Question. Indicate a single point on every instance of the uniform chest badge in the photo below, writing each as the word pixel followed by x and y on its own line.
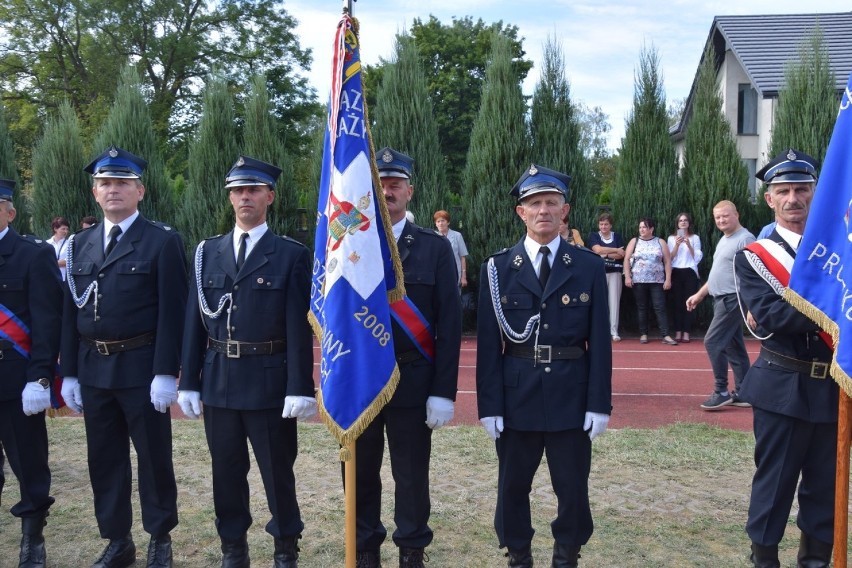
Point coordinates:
pixel 584 297
pixel 409 239
pixel 566 299
pixel 518 260
pixel 566 259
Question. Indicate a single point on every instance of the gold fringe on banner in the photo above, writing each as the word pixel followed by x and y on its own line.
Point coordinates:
pixel 829 326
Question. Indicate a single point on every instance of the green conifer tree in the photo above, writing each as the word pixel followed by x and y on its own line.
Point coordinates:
pixel 261 141
pixel 713 169
pixel 647 178
pixel 9 170
pixel 204 206
pixel 556 135
pixel 129 126
pixel 405 120
pixel 60 186
pixel 807 104
pixel 498 154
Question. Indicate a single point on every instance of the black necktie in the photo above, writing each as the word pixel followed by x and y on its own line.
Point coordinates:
pixel 544 270
pixel 113 239
pixel 241 252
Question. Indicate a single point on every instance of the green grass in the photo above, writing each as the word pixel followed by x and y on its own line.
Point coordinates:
pixel 676 496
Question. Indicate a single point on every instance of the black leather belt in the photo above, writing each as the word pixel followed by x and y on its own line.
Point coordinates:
pixel 544 353
pixel 236 349
pixel 108 347
pixel 408 357
pixel 814 369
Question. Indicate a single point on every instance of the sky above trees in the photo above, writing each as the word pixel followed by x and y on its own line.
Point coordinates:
pixel 602 42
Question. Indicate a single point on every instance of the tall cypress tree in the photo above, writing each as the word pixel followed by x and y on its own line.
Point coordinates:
pixel 9 170
pixel 647 176
pixel 498 154
pixel 807 104
pixel 261 141
pixel 60 186
pixel 405 121
pixel 204 207
pixel 713 169
pixel 129 126
pixel 556 135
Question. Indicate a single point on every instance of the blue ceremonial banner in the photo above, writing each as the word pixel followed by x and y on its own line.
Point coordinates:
pixel 356 272
pixel 820 284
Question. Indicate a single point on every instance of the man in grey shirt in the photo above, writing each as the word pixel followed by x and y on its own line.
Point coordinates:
pixel 724 339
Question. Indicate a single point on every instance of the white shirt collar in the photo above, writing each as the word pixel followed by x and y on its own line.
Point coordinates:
pixel 789 236
pixel 125 225
pixel 254 235
pixel 397 228
pixel 4 232
pixel 533 250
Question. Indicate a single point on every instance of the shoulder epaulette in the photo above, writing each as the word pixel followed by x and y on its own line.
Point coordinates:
pixel 163 226
pixel 292 240
pixel 499 252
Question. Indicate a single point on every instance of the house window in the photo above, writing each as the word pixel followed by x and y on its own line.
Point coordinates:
pixel 751 166
pixel 746 110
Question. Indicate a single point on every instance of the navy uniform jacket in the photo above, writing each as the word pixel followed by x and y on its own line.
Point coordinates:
pixel 141 289
pixel 31 288
pixel 547 397
pixel 270 297
pixel 431 282
pixel 768 386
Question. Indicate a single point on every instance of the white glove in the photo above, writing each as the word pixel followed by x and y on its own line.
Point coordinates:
pixel 595 424
pixel 163 391
pixel 71 394
pixel 190 403
pixel 35 398
pixel 439 411
pixel 301 407
pixel 493 425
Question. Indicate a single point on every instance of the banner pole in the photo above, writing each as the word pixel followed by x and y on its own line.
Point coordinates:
pixel 841 481
pixel 349 506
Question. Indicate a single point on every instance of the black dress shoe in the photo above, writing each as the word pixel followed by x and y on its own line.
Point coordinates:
pixel 119 553
pixel 411 557
pixel 33 554
pixel 160 552
pixel 286 552
pixel 565 556
pixel 368 559
pixel 520 558
pixel 235 553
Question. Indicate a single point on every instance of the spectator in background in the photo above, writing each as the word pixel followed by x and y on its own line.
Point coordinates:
pixel 724 338
pixel 572 236
pixel 442 223
pixel 59 241
pixel 685 247
pixel 610 246
pixel 648 270
pixel 88 221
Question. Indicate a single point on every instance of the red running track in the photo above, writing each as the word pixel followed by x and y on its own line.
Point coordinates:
pixel 652 385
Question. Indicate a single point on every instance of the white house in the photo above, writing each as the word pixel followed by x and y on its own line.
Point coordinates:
pixel 751 55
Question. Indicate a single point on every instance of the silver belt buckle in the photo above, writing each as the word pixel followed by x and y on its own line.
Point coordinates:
pixel 102 347
pixel 539 357
pixel 232 349
pixel 819 370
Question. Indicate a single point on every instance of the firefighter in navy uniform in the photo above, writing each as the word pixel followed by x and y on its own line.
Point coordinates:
pixel 248 354
pixel 120 355
pixel 425 397
pixel 30 312
pixel 794 398
pixel 543 368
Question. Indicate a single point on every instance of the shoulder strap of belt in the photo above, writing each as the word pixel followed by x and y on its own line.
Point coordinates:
pixel 415 326
pixel 778 262
pixel 13 330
